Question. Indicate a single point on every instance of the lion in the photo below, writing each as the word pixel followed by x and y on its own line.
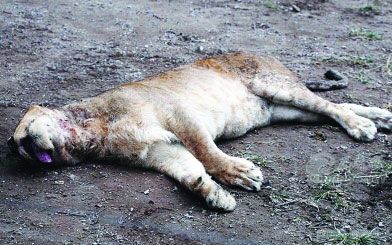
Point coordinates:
pixel 169 122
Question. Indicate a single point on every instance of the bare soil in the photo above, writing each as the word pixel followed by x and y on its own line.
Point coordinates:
pixel 321 182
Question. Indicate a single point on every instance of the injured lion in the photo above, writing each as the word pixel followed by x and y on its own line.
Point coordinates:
pixel 169 122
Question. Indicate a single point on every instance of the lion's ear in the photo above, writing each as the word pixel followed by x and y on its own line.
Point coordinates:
pixel 34 108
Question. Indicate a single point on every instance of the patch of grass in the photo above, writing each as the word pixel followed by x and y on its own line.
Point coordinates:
pixel 362 77
pixel 283 159
pixel 383 170
pixel 298 219
pixel 372 7
pixel 279 197
pixel 387 168
pixel 271 4
pixel 364 33
pixel 360 61
pixel 330 192
pixel 369 9
pixel 366 238
pixel 258 160
pixel 363 61
pixel 254 157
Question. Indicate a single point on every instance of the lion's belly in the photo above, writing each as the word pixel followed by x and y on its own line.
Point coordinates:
pixel 227 108
pixel 246 116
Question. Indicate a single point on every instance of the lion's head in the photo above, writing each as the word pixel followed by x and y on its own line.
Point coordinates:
pixel 45 135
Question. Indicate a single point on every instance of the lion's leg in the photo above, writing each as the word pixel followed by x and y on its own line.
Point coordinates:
pixel 177 162
pixel 291 94
pixel 282 113
pixel 381 117
pixel 227 169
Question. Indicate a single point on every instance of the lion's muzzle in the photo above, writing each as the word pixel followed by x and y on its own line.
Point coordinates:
pixel 29 149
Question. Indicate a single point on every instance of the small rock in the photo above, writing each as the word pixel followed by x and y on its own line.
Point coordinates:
pixel 200 49
pixel 119 238
pixel 189 216
pixel 78 57
pixel 259 25
pixel 318 135
pixel 334 75
pixel 73 177
pixel 381 224
pixel 49 195
pixel 51 67
pixel 295 8
pixel 146 192
pixel 59 182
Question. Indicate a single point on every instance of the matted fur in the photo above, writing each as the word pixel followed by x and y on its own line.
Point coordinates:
pixel 169 122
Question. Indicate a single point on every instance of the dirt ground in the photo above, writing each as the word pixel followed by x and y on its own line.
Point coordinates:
pixel 323 187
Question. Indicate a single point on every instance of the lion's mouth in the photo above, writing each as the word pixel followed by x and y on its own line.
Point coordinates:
pixel 42 155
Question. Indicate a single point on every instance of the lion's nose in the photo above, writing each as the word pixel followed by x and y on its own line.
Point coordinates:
pixel 12 145
pixel 39 130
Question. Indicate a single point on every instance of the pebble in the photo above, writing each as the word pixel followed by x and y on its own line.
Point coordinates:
pixel 51 67
pixel 73 177
pixel 189 216
pixel 200 49
pixel 295 8
pixel 333 75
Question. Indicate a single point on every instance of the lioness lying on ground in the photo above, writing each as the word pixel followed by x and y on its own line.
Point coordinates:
pixel 169 122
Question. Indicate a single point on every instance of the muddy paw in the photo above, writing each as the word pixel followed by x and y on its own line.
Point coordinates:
pixel 221 199
pixel 362 129
pixel 242 173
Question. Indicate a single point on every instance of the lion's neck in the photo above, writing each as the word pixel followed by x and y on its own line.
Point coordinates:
pixel 88 131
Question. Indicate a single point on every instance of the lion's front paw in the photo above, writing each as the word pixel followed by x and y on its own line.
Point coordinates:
pixel 241 173
pixel 221 199
pixel 362 129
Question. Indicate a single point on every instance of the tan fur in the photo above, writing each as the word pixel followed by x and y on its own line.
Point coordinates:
pixel 169 121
